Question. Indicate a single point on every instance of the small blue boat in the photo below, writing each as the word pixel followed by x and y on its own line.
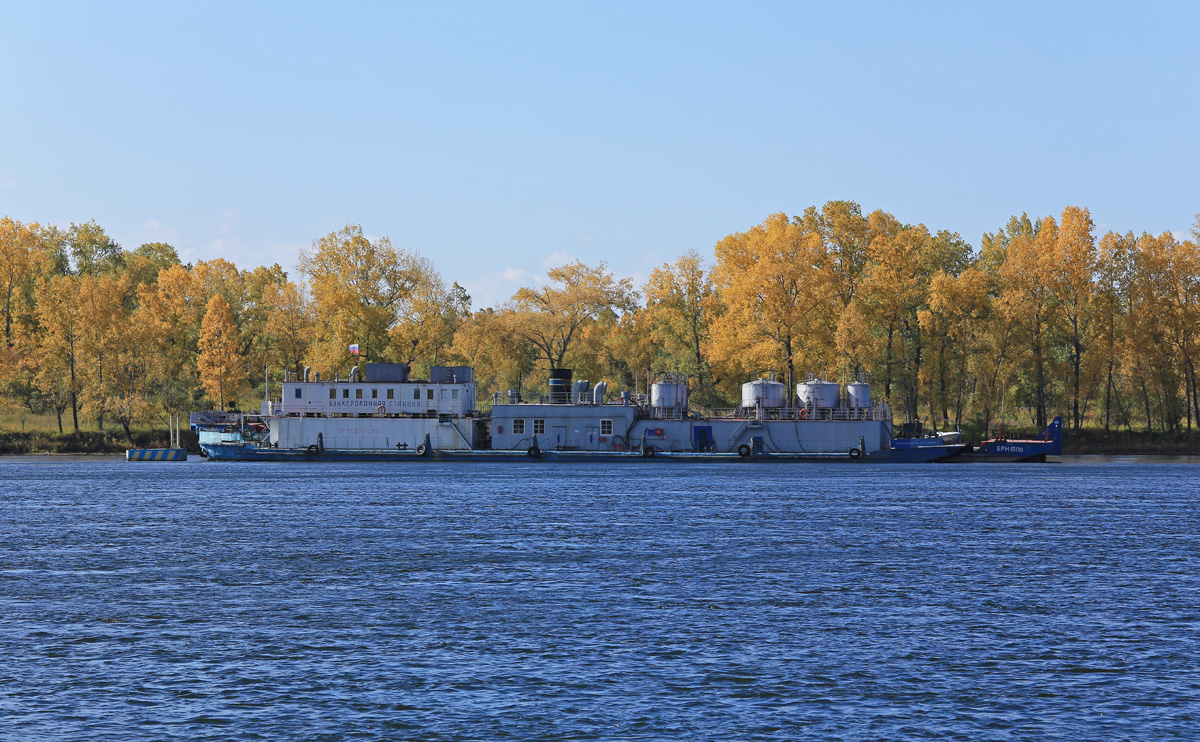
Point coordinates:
pixel 926 449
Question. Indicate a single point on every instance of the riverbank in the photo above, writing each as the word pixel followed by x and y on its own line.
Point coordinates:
pixel 1124 443
pixel 86 442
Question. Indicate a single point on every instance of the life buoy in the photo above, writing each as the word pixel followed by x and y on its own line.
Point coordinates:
pixel 381 409
pixel 312 450
pixel 854 453
pixel 422 450
pixel 803 413
pixel 648 452
pixel 743 450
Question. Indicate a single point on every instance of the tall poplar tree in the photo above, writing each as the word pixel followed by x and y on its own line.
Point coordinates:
pixel 222 371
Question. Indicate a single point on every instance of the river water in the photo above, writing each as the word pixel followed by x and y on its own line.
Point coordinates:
pixel 648 601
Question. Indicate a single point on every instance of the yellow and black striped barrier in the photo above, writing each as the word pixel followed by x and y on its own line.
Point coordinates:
pixel 156 454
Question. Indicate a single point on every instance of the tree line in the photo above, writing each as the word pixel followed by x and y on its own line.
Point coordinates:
pixel 1042 319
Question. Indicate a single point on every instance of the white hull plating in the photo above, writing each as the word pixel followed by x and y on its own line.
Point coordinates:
pixel 369 433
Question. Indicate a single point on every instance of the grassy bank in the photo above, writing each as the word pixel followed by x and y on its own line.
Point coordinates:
pixel 1124 443
pixel 109 441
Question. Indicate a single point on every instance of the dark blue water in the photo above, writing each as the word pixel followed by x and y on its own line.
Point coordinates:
pixel 588 602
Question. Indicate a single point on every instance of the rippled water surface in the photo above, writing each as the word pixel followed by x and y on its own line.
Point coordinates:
pixel 589 602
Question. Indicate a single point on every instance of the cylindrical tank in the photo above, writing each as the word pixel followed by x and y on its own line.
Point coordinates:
pixel 816 393
pixel 663 394
pixel 768 393
pixel 560 385
pixel 858 394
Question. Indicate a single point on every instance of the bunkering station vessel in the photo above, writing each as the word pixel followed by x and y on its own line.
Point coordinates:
pixel 384 415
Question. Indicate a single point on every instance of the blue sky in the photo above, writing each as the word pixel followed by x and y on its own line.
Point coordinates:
pixel 500 139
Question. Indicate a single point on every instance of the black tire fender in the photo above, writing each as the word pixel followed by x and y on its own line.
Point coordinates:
pixel 744 450
pixel 855 453
pixel 422 449
pixel 313 450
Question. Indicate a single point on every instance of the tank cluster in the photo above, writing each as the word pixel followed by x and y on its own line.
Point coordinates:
pixel 812 394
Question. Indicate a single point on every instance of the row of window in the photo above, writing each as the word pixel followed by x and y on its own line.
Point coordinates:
pixel 539 426
pixel 358 393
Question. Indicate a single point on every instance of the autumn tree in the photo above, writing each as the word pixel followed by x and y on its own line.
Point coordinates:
pixel 104 306
pixel 889 297
pixel 291 324
pixel 774 284
pixel 357 287
pixel 551 317
pixel 19 258
pixel 148 260
pixel 62 321
pixel 958 307
pixel 1110 309
pixel 221 367
pixel 1071 270
pixel 92 251
pixel 489 341
pixel 1027 301
pixel 428 318
pixel 845 237
pixel 680 303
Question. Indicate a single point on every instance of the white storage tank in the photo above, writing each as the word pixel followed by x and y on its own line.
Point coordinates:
pixel 858 394
pixel 768 393
pixel 663 394
pixel 816 393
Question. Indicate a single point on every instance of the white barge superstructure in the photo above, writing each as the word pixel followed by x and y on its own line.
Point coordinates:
pixel 385 415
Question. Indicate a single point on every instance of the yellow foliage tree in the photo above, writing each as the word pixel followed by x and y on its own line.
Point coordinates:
pixel 357 287
pixel 774 283
pixel 1072 270
pixel 291 324
pixel 61 320
pixel 550 318
pixel 221 367
pixel 1028 302
pixel 428 318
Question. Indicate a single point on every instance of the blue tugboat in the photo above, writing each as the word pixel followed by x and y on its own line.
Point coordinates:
pixel 1003 449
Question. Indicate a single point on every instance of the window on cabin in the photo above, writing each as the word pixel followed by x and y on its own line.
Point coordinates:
pixel 374 394
pixel 539 427
pixel 298 390
pixel 519 426
pixel 416 393
pixel 606 427
pixel 389 391
pixel 346 393
pixel 453 394
pixel 333 393
pixel 430 393
pixel 358 393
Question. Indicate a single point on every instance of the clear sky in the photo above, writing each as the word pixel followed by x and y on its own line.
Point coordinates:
pixel 502 138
